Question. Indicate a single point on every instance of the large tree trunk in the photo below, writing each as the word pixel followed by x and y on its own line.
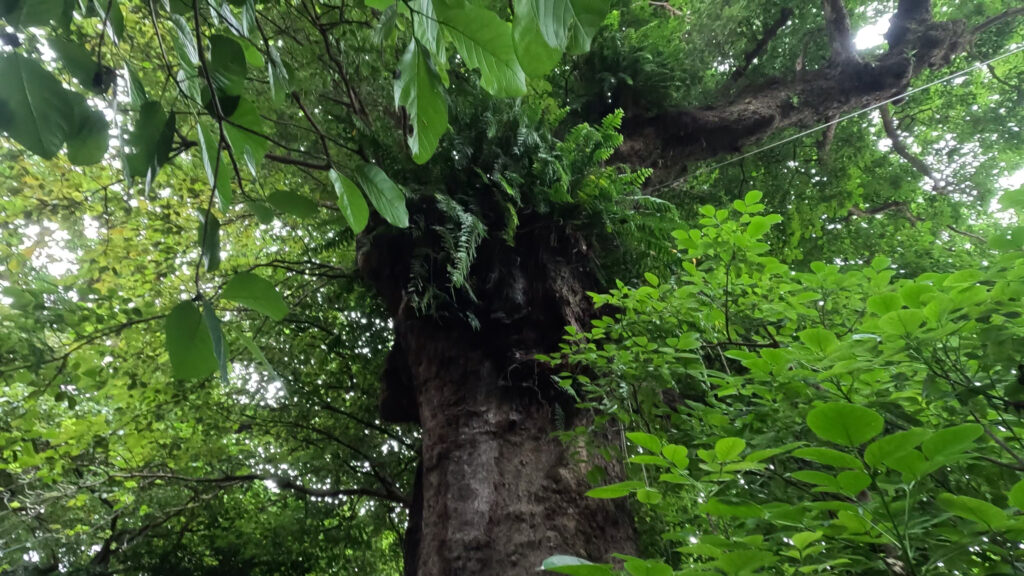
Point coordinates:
pixel 496 492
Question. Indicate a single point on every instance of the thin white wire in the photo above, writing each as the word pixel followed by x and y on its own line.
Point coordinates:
pixel 840 119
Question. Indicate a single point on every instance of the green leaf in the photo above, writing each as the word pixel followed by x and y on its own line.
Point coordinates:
pixel 638 567
pixel 677 455
pixel 257 293
pixel 350 201
pixel 35 110
pixel 819 339
pixel 227 64
pixel 893 446
pixel 244 133
pixel 615 490
pixel 952 441
pixel 885 303
pixel 485 42
pixel 828 457
pixel 815 477
pixel 903 322
pixel 220 344
pixel 387 198
pixel 209 241
pixel 845 424
pixel 802 539
pixel 759 225
pixel 728 449
pixel 744 561
pixel 535 55
pixel 575 566
pixel 151 139
pixel 279 83
pixel 218 170
pixel 184 43
pixel 35 13
pixel 418 88
pixel 80 63
pixel 90 136
pixel 645 440
pixel 648 496
pixel 972 509
pixel 853 481
pixel 569 25
pixel 293 203
pixel 188 342
pixel 731 508
pixel 1016 495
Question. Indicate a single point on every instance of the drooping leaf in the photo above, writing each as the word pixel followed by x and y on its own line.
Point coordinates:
pixel 894 445
pixel 29 13
pixel 727 449
pixel 90 136
pixel 293 203
pixel 220 344
pixel 350 201
pixel 227 65
pixel 216 166
pixel 535 55
pixel 1017 495
pixel 485 42
pixel 387 198
pixel 81 64
pixel 951 441
pixel 828 457
pixel 845 424
pixel 418 88
pixel 35 110
pixel 208 233
pixel 257 293
pixel 244 131
pixel 188 342
pixel 645 440
pixel 973 509
pixel 570 25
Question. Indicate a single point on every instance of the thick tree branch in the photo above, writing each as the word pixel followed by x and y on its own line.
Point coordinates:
pixel 670 140
pixel 901 150
pixel 997 19
pixel 837 23
pixel 903 208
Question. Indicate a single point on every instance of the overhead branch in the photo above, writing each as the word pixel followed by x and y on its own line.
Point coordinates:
pixel 837 24
pixel 901 150
pixel 770 32
pixel 997 19
pixel 904 209
pixel 666 7
pixel 670 140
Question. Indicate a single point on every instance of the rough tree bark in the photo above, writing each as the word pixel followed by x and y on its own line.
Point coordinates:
pixel 495 493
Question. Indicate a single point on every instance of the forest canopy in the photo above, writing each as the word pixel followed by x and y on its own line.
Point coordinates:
pixel 448 287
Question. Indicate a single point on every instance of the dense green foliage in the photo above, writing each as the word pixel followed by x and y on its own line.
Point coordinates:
pixel 823 377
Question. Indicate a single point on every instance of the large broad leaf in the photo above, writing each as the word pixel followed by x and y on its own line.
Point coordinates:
pixel 293 203
pixel 27 13
pixel 418 88
pixel 387 198
pixel 350 201
pixel 845 424
pixel 35 110
pixel 570 24
pixel 151 139
pixel 257 293
pixel 828 457
pixel 485 42
pixel 645 440
pixel 227 64
pixel 535 55
pixel 952 441
pixel 184 43
pixel 189 345
pixel 891 447
pixel 973 509
pixel 114 19
pixel 89 137
pixel 80 63
pixel 244 130
pixel 728 449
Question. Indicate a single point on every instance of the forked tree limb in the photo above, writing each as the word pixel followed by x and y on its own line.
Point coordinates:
pixel 837 24
pixel 901 150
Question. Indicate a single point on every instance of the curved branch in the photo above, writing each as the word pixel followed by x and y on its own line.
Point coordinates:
pixel 997 19
pixel 837 23
pixel 902 151
pixel 770 32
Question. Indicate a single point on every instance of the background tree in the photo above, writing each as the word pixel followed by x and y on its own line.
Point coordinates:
pixel 204 298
